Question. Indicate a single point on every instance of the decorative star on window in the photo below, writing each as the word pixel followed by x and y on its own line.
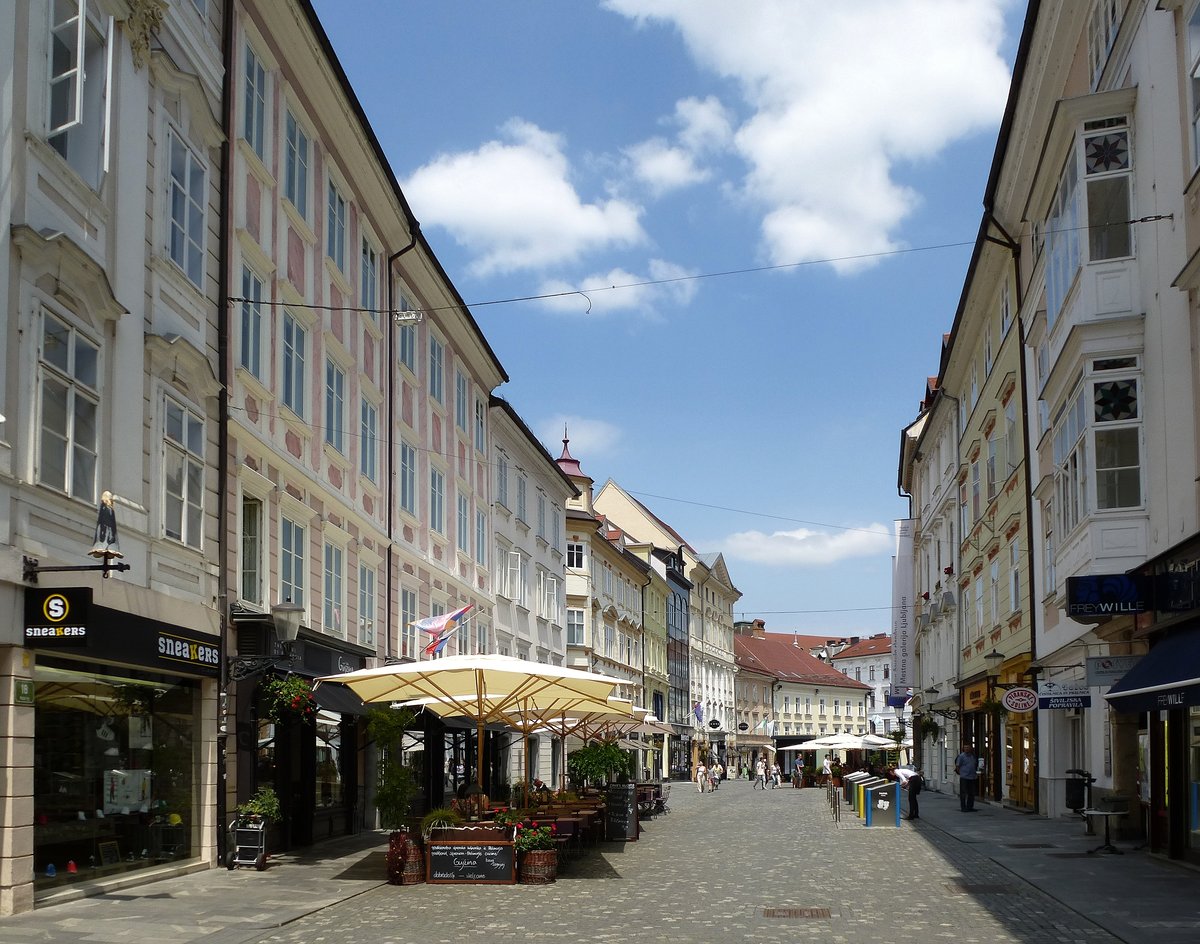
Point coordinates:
pixel 1116 400
pixel 1107 152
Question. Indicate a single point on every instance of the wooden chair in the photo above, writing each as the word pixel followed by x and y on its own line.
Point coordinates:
pixel 660 802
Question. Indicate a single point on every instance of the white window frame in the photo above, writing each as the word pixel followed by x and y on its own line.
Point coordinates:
pixel 297 160
pixel 463 523
pixel 77 373
pixel 368 440
pixel 254 102
pixel 1014 576
pixel 183 509
pixel 251 334
pixel 406 339
pixel 335 405
pixel 437 500
pixel 187 205
pixel 368 292
pixel 480 425
pixel 337 218
pixel 333 599
pixel 79 79
pixel 501 479
pixel 368 605
pixel 293 555
pixel 252 559
pixel 294 347
pixel 462 400
pixel 575 555
pixel 408 614
pixel 437 369
pixel 481 535
pixel 408 478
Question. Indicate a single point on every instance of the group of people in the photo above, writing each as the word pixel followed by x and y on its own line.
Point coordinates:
pixel 709 778
pixel 764 772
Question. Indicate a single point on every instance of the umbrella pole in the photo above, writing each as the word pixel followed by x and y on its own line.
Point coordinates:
pixel 479 729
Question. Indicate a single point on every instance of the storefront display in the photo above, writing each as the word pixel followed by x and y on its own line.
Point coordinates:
pixel 115 762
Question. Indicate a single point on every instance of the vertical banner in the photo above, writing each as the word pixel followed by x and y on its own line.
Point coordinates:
pixel 903 671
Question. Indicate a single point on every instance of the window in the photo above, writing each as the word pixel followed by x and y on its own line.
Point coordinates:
pixel 186 198
pixel 250 356
pixel 541 514
pixel 1102 33
pixel 76 125
pixel 549 597
pixel 251 588
pixel 837 708
pixel 993 445
pixel 481 541
pixel 254 119
pixel 994 589
pixel 291 562
pixel 987 352
pixel 461 400
pixel 366 605
pixel 1049 574
pixel 575 555
pixel 1107 167
pixel 1193 54
pixel 368 441
pixel 976 496
pixel 334 561
pixel 979 603
pixel 464 524
pixel 1070 461
pixel 408 616
pixel 70 404
pixel 295 340
pixel 1118 462
pixel 521 488
pixel 482 645
pixel 574 627
pixel 1005 309
pixel 502 479
pixel 870 673
pixel 516 578
pixel 1062 242
pixel 555 526
pixel 408 478
pixel 480 425
pixel 295 171
pixel 437 360
pixel 335 228
pixel 183 474
pixel 437 501
pixel 335 403
pixel 407 339
pixel 369 290
pixel 1014 577
pixel 1012 441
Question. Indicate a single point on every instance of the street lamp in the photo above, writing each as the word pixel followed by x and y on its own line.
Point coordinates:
pixel 948 713
pixel 993 660
pixel 286 618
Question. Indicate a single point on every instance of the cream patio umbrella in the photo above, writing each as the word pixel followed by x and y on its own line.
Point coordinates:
pixel 479 687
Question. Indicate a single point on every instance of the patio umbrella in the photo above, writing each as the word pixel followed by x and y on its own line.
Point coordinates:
pixel 479 687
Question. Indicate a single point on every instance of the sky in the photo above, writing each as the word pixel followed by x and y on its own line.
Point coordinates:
pixel 718 243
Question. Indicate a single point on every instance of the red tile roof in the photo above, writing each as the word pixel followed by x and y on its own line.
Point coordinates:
pixel 874 646
pixel 774 654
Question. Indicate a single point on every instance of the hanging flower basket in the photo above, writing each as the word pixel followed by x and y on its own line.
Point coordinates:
pixel 289 697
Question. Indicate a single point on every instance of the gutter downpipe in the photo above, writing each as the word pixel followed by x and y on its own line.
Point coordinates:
pixel 414 230
pixel 1009 243
pixel 958 614
pixel 227 79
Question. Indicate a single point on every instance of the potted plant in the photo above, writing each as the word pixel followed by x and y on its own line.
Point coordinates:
pixel 262 807
pixel 289 697
pixel 835 771
pixel 930 729
pixel 440 817
pixel 537 855
pixel 394 794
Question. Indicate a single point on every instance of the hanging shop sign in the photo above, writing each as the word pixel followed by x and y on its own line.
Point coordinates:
pixel 1072 693
pixel 1020 700
pixel 1103 671
pixel 57 617
pixel 1098 596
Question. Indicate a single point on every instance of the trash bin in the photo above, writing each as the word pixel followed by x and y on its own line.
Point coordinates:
pixel 1078 787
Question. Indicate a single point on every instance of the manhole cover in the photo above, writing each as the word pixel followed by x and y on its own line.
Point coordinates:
pixel 977 888
pixel 796 913
pixel 1029 845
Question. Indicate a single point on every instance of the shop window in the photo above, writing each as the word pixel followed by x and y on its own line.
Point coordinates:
pixel 114 773
pixel 329 793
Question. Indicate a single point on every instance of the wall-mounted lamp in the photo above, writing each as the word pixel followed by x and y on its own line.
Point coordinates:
pixel 287 618
pixel 993 660
pixel 951 714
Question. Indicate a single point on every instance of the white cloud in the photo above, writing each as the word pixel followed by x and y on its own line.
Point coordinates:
pixel 838 95
pixel 620 290
pixel 807 548
pixel 591 438
pixel 513 205
pixel 662 167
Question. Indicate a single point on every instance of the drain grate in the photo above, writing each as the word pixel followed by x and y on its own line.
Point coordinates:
pixel 796 913
pixel 1029 845
pixel 977 888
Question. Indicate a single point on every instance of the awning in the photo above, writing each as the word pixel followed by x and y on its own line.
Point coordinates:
pixel 339 699
pixel 1167 677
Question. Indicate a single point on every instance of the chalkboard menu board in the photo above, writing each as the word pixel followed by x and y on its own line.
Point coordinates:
pixel 456 863
pixel 620 812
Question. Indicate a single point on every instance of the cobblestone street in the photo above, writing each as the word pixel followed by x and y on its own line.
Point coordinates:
pixel 736 865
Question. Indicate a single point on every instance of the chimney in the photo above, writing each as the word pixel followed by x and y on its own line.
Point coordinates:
pixel 758 629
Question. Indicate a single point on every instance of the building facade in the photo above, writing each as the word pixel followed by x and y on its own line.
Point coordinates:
pixel 109 269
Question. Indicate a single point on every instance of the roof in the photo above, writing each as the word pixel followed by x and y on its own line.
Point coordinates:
pixel 675 535
pixel 501 404
pixel 880 645
pixel 774 654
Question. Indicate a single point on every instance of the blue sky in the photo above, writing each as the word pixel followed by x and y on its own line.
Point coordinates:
pixel 838 150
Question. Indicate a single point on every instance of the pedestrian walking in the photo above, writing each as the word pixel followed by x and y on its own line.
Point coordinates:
pixel 718 769
pixel 701 776
pixel 760 774
pixel 826 771
pixel 967 767
pixel 774 776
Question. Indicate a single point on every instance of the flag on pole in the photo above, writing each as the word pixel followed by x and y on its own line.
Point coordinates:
pixel 698 712
pixel 441 628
